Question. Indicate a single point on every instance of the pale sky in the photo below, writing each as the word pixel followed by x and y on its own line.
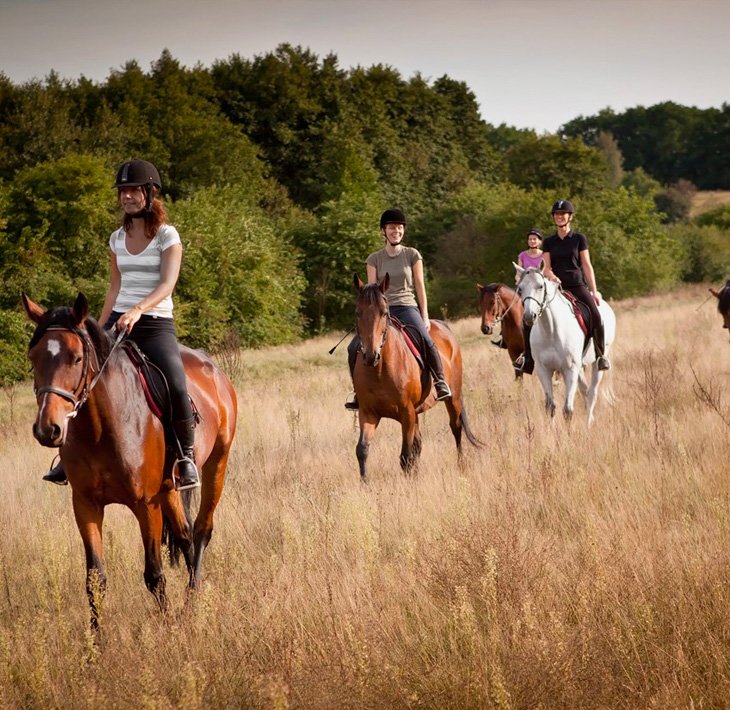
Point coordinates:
pixel 531 63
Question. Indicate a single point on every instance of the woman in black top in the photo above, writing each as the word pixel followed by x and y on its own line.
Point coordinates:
pixel 567 261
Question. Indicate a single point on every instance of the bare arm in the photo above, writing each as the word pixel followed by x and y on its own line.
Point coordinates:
pixel 169 272
pixel 372 274
pixel 548 270
pixel 585 263
pixel 111 295
pixel 420 286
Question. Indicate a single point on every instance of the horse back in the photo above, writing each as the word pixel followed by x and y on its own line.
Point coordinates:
pixel 214 396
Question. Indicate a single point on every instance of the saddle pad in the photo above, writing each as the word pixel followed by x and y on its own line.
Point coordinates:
pixel 581 311
pixel 403 328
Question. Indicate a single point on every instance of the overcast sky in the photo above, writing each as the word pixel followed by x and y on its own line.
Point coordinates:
pixel 531 63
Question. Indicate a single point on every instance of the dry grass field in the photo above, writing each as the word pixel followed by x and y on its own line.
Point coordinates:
pixel 559 567
pixel 706 200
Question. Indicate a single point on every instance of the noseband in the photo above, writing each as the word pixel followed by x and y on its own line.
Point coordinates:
pixel 82 391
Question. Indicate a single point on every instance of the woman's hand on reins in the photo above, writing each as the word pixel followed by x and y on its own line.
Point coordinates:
pixel 127 320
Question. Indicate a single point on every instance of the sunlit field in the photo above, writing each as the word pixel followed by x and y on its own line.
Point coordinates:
pixel 559 566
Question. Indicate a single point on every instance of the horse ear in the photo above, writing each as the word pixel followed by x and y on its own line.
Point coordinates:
pixel 80 309
pixel 480 288
pixel 358 283
pixel 383 285
pixel 34 311
pixel 542 265
pixel 518 268
pixel 714 292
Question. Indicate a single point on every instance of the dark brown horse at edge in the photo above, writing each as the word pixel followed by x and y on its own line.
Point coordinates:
pixel 91 406
pixel 388 380
pixel 723 302
pixel 500 305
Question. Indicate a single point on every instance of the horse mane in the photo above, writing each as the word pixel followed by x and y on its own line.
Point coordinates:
pixel 372 294
pixel 63 317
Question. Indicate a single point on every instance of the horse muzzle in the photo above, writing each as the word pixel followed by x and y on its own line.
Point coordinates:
pixel 528 318
pixel 49 434
pixel 487 329
pixel 371 359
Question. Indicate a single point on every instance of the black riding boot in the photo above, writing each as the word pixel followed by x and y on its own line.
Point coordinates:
pixel 525 364
pixel 187 473
pixel 443 390
pixel 57 475
pixel 352 349
pixel 599 344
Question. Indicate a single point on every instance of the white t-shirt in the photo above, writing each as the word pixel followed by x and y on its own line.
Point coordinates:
pixel 141 272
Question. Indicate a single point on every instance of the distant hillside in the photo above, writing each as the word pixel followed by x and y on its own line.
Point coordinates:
pixel 707 200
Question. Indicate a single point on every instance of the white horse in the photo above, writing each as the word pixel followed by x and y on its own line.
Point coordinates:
pixel 557 340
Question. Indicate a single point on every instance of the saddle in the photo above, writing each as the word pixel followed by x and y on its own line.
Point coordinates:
pixel 154 385
pixel 583 316
pixel 417 346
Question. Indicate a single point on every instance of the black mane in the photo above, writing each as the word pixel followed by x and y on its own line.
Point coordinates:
pixel 63 317
pixel 723 301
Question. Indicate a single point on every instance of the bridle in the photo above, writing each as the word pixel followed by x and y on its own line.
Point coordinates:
pixel 502 316
pixel 82 391
pixel 544 303
pixel 383 339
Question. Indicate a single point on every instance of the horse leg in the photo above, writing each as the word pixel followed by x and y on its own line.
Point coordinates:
pixel 214 474
pixel 149 517
pixel 89 520
pixel 546 380
pixel 368 425
pixel 570 378
pixel 411 447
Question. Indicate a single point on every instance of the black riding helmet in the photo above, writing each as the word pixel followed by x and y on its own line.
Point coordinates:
pixel 139 173
pixel 392 217
pixel 563 206
pixel 537 233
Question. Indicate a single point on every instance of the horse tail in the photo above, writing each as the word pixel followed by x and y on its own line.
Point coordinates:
pixel 174 547
pixel 471 437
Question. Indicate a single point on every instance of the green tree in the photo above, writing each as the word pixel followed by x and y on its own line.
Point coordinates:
pixel 238 276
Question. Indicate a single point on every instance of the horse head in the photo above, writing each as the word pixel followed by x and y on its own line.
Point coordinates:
pixel 60 352
pixel 371 312
pixel 723 303
pixel 491 306
pixel 532 289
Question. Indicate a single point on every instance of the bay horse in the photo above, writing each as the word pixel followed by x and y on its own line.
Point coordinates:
pixel 557 340
pixel 388 380
pixel 723 302
pixel 500 305
pixel 91 405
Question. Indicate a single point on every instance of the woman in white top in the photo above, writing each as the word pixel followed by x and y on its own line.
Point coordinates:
pixel 146 253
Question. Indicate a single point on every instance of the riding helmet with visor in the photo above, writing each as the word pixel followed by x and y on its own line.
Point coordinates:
pixel 392 217
pixel 563 206
pixel 139 173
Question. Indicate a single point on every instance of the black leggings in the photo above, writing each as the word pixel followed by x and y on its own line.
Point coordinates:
pixel 582 293
pixel 157 339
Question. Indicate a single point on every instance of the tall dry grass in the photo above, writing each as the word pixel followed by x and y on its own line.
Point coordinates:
pixel 559 567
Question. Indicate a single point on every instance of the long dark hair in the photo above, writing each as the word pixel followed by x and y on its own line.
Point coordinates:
pixel 154 218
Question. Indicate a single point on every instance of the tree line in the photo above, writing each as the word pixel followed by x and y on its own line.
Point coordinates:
pixel 276 168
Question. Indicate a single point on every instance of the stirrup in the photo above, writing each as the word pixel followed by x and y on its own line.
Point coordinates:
pixel 445 391
pixel 180 485
pixel 56 474
pixel 352 404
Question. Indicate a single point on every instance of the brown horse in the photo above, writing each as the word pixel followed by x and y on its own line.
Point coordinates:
pixel 500 304
pixel 723 302
pixel 388 380
pixel 92 406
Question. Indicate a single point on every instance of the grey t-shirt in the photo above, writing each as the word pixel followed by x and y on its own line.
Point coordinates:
pixel 400 269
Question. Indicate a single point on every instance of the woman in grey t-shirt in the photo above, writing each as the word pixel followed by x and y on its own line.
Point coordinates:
pixel 406 294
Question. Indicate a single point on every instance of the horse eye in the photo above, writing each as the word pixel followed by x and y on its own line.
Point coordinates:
pixel 78 360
